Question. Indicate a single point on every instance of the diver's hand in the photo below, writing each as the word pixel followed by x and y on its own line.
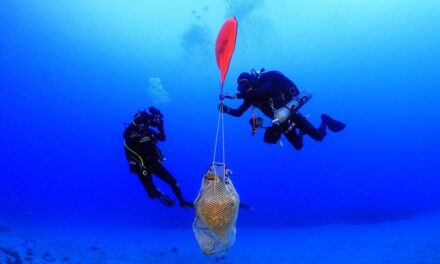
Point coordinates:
pixel 159 123
pixel 223 107
pixel 156 122
pixel 227 96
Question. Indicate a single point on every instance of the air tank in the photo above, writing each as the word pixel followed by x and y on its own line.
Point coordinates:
pixel 283 113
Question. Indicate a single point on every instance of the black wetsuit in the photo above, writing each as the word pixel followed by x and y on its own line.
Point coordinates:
pixel 145 159
pixel 272 91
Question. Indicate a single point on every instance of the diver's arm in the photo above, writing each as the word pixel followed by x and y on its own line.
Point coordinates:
pixel 233 96
pixel 239 96
pixel 227 96
pixel 159 136
pixel 239 111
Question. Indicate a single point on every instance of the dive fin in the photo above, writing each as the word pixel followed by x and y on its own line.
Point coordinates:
pixel 332 124
pixel 186 204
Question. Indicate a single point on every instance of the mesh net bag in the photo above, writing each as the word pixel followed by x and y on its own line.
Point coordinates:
pixel 216 211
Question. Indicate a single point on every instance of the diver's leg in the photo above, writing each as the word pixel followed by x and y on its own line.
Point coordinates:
pixel 148 184
pixel 160 171
pixel 272 134
pixel 306 127
pixel 296 139
pixel 154 193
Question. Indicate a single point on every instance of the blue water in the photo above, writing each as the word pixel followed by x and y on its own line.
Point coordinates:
pixel 73 72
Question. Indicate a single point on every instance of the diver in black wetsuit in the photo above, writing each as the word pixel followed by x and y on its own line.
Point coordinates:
pixel 269 91
pixel 145 158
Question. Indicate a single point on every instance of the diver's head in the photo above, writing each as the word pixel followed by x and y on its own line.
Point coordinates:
pixel 155 112
pixel 156 117
pixel 141 120
pixel 244 82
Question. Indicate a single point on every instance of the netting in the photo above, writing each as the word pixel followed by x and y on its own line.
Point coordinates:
pixel 216 211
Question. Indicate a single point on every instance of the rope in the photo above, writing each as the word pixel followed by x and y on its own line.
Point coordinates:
pixel 216 135
pixel 220 125
pixel 223 141
pixel 254 125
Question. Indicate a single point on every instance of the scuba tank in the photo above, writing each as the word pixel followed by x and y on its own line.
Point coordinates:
pixel 283 113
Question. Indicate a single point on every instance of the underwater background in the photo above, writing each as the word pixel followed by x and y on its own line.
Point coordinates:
pixel 73 73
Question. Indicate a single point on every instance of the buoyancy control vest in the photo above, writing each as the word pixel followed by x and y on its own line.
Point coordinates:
pixel 283 89
pixel 140 148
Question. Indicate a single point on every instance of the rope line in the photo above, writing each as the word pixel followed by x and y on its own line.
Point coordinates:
pixel 220 126
pixel 216 136
pixel 223 141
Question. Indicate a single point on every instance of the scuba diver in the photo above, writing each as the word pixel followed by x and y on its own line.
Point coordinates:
pixel 279 99
pixel 145 158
